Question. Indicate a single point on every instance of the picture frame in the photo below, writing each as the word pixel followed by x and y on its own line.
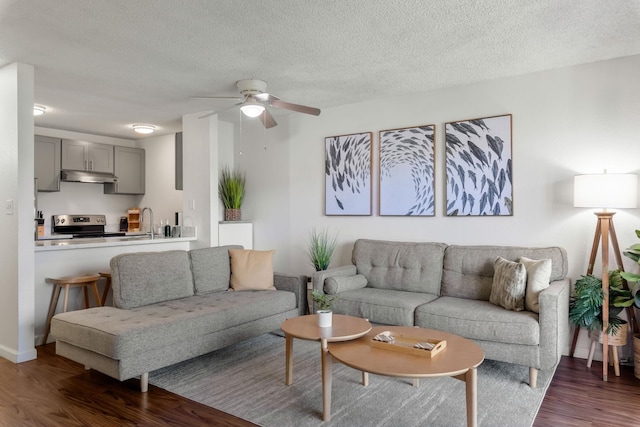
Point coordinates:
pixel 479 171
pixel 407 171
pixel 348 174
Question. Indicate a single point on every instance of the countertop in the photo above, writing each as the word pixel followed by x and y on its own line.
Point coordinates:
pixel 70 244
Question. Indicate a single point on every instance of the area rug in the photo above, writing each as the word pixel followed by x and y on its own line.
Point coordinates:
pixel 247 380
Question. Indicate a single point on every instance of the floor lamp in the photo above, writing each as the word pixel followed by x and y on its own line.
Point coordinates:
pixel 604 191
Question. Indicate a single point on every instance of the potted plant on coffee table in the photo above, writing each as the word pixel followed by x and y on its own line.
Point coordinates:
pixel 324 302
pixel 231 190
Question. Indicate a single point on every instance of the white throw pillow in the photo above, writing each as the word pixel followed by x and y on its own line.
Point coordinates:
pixel 538 277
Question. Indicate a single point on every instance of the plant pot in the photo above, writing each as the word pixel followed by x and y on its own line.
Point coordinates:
pixel 619 339
pixel 325 318
pixel 232 215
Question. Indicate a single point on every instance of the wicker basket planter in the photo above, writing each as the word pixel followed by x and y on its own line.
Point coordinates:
pixel 232 215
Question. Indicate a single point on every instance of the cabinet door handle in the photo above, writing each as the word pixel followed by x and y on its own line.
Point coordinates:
pixel 85 165
pixel 91 165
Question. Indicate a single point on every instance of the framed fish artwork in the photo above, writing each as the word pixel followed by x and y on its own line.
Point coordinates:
pixel 479 167
pixel 348 174
pixel 407 171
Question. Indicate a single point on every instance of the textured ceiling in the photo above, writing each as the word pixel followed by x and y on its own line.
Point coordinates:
pixel 101 66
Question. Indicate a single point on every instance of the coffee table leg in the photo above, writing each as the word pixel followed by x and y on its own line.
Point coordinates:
pixel 289 359
pixel 326 381
pixel 471 379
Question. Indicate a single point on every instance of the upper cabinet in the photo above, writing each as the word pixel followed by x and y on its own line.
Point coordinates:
pixel 129 169
pixel 87 156
pixel 47 163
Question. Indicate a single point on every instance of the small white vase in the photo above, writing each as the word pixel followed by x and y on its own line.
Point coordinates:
pixel 324 318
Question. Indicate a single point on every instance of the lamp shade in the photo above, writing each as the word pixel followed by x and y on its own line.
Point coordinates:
pixel 605 190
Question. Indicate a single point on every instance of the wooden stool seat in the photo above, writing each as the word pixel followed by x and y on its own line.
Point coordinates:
pixel 67 282
pixel 107 286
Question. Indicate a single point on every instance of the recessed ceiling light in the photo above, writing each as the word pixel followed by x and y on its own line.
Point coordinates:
pixel 38 110
pixel 144 129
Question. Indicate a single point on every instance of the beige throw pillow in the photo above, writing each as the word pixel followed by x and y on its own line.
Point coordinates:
pixel 251 270
pixel 538 277
pixel 509 284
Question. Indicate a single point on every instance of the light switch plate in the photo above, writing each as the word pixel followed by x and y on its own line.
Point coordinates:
pixel 8 207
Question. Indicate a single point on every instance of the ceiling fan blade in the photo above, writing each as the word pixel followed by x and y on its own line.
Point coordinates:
pixel 267 119
pixel 220 111
pixel 294 107
pixel 228 98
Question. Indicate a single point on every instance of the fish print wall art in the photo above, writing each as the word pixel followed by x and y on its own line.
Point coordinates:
pixel 479 167
pixel 407 171
pixel 348 174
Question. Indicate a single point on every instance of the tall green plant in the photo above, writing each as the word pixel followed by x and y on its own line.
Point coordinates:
pixel 321 247
pixel 231 188
pixel 633 253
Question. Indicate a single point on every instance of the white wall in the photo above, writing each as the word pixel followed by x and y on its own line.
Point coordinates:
pixel 565 122
pixel 16 226
pixel 160 194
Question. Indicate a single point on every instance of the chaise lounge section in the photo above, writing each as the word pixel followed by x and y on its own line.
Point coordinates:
pixel 169 307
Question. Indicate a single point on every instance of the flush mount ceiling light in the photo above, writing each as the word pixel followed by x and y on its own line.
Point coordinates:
pixel 251 108
pixel 38 110
pixel 144 129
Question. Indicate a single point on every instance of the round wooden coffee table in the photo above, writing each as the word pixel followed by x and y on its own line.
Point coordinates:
pixel 343 328
pixel 459 359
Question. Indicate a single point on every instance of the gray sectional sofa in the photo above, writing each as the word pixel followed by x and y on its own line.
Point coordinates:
pixel 437 286
pixel 169 307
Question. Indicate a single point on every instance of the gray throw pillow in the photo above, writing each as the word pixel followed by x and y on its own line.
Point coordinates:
pixel 333 285
pixel 509 284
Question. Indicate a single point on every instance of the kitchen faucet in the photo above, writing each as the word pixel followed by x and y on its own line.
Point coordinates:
pixel 150 220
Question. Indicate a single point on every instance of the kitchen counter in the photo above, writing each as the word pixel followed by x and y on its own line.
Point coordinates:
pixel 86 243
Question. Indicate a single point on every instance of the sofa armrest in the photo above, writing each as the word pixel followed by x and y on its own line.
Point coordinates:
pixel 295 284
pixel 319 277
pixel 554 322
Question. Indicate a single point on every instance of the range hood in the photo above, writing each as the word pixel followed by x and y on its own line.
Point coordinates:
pixel 85 176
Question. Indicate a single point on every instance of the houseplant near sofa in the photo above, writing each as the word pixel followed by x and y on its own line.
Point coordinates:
pixel 231 190
pixel 321 247
pixel 634 253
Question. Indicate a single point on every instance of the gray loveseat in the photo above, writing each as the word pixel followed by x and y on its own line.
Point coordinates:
pixel 169 307
pixel 437 286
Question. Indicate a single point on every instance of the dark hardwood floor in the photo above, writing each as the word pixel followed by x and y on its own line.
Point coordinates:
pixel 53 391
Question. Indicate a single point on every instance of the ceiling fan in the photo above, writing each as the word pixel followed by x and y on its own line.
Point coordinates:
pixel 254 101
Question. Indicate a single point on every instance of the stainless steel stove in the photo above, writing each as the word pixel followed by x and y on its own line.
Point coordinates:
pixel 81 226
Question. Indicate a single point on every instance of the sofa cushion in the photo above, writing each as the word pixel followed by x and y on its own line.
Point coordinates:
pixel 120 334
pixel 412 267
pixel 144 278
pixel 479 320
pixel 509 284
pixel 211 269
pixel 333 285
pixel 538 277
pixel 468 270
pixel 382 306
pixel 251 270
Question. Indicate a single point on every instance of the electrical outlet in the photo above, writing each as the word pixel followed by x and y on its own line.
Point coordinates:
pixel 8 207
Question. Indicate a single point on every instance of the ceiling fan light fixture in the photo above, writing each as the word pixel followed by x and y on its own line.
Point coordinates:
pixel 38 110
pixel 144 129
pixel 252 110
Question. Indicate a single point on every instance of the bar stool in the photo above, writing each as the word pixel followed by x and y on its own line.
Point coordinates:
pixel 107 286
pixel 66 283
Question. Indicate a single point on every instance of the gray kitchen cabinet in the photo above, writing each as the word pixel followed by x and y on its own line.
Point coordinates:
pixel 87 156
pixel 129 169
pixel 47 163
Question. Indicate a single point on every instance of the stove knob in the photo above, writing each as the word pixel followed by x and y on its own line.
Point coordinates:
pixel 62 221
